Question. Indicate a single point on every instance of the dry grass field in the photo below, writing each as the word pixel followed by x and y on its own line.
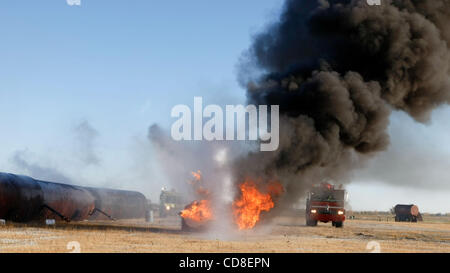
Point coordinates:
pixel 285 234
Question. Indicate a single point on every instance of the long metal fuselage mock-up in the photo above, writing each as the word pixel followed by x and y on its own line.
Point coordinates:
pixel 24 199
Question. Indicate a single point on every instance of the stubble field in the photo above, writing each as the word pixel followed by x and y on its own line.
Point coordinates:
pixel 366 233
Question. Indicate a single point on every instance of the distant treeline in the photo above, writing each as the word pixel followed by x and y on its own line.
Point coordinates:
pixel 390 213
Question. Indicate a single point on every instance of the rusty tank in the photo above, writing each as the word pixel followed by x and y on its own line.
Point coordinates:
pixel 407 213
pixel 24 199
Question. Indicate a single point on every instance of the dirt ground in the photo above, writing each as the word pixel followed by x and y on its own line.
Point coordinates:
pixel 286 234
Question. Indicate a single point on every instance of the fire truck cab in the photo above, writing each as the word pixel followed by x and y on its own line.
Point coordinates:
pixel 170 203
pixel 325 204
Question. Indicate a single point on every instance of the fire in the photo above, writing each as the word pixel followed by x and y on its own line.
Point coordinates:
pixel 256 196
pixel 198 211
pixel 196 183
pixel 197 175
pixel 252 202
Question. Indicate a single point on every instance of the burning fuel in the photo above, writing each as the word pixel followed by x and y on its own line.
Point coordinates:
pixel 246 208
pixel 252 202
pixel 198 211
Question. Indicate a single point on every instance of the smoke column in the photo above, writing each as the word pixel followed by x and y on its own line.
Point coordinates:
pixel 338 69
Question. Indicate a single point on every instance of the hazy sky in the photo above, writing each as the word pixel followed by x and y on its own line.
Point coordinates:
pixel 80 85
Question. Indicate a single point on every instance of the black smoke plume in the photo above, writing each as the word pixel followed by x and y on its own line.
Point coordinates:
pixel 338 69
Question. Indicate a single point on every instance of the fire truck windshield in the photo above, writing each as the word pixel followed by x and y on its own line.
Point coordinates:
pixel 327 195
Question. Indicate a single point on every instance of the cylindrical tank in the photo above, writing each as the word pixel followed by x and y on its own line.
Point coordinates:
pixel 407 213
pixel 24 199
pixel 406 210
pixel 119 204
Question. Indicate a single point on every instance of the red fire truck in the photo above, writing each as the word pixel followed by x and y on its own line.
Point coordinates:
pixel 325 204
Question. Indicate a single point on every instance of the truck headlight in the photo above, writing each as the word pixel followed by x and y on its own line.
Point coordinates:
pixel 167 207
pixel 313 211
pixel 340 212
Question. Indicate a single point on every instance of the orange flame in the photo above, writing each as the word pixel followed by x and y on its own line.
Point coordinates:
pixel 199 211
pixel 197 175
pixel 252 202
pixel 196 183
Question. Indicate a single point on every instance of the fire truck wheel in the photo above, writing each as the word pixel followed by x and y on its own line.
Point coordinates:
pixel 338 224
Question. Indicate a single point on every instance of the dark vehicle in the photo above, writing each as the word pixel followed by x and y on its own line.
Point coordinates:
pixel 325 204
pixel 170 203
pixel 407 213
pixel 24 199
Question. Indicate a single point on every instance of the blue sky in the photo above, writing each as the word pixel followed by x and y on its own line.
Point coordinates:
pixel 115 59
pixel 122 65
